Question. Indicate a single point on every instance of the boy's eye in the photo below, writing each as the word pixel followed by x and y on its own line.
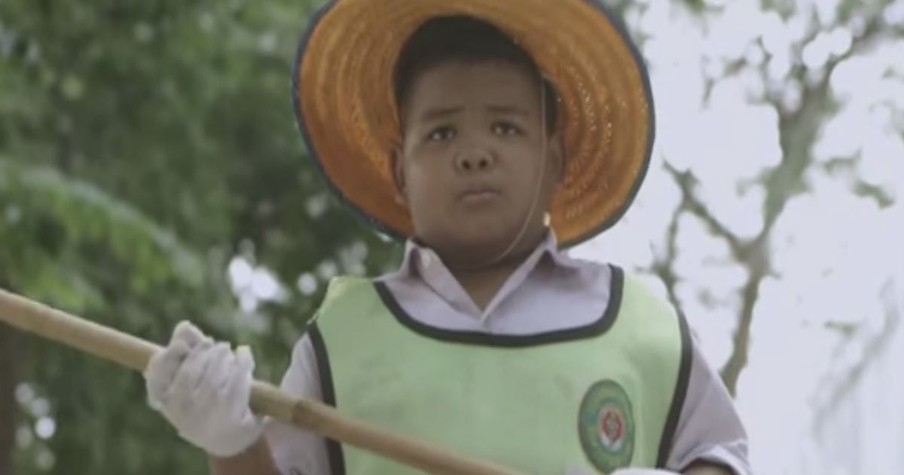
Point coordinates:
pixel 441 134
pixel 506 128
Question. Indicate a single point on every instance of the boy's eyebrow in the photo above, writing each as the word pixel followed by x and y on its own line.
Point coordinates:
pixel 508 109
pixel 439 112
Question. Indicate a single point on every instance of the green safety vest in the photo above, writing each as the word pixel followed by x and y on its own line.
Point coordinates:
pixel 604 396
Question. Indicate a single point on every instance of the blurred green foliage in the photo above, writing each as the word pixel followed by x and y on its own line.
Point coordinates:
pixel 144 147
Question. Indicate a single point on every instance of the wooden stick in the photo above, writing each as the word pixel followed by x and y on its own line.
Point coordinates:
pixel 132 352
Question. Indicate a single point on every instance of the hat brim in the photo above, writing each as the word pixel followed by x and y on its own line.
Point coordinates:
pixel 343 96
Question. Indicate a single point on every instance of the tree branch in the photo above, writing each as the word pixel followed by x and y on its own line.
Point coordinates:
pixel 876 342
pixel 798 131
pixel 663 265
pixel 750 293
pixel 692 203
pixel 750 253
pixel 799 127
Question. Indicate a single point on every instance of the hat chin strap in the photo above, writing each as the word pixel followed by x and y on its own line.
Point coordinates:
pixel 537 186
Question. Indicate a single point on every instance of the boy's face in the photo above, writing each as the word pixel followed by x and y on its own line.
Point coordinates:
pixel 476 165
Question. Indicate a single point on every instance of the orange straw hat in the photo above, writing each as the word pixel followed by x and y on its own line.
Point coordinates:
pixel 344 99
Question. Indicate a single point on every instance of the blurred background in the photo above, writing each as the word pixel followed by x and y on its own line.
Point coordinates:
pixel 150 171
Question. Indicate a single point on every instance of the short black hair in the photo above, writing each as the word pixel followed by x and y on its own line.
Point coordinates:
pixel 469 40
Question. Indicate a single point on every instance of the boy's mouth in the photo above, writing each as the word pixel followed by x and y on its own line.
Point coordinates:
pixel 476 195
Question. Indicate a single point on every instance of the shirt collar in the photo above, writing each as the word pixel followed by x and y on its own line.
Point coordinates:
pixel 418 257
pixel 421 262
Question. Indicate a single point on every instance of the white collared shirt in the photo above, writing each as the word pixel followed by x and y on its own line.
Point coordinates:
pixel 708 428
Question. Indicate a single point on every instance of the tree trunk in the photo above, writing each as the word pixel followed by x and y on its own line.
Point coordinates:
pixel 8 409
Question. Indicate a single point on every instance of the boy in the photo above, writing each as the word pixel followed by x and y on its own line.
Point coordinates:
pixel 488 135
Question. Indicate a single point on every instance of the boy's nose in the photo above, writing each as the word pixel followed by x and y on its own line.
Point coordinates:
pixel 474 159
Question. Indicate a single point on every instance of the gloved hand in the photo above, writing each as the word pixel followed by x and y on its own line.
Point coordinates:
pixel 623 471
pixel 643 471
pixel 203 389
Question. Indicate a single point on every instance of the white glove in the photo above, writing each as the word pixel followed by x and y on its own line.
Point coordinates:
pixel 203 390
pixel 623 471
pixel 643 471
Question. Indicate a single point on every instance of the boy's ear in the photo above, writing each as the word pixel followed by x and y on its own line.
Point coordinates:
pixel 398 174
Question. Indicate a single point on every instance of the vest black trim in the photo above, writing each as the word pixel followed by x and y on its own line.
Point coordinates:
pixel 333 448
pixel 684 373
pixel 594 329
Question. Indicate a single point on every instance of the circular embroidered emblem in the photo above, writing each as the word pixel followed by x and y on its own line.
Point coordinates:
pixel 606 426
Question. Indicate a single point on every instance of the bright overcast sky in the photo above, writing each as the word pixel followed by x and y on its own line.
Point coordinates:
pixel 833 249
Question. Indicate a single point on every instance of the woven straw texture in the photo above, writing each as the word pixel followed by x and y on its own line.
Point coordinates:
pixel 346 110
